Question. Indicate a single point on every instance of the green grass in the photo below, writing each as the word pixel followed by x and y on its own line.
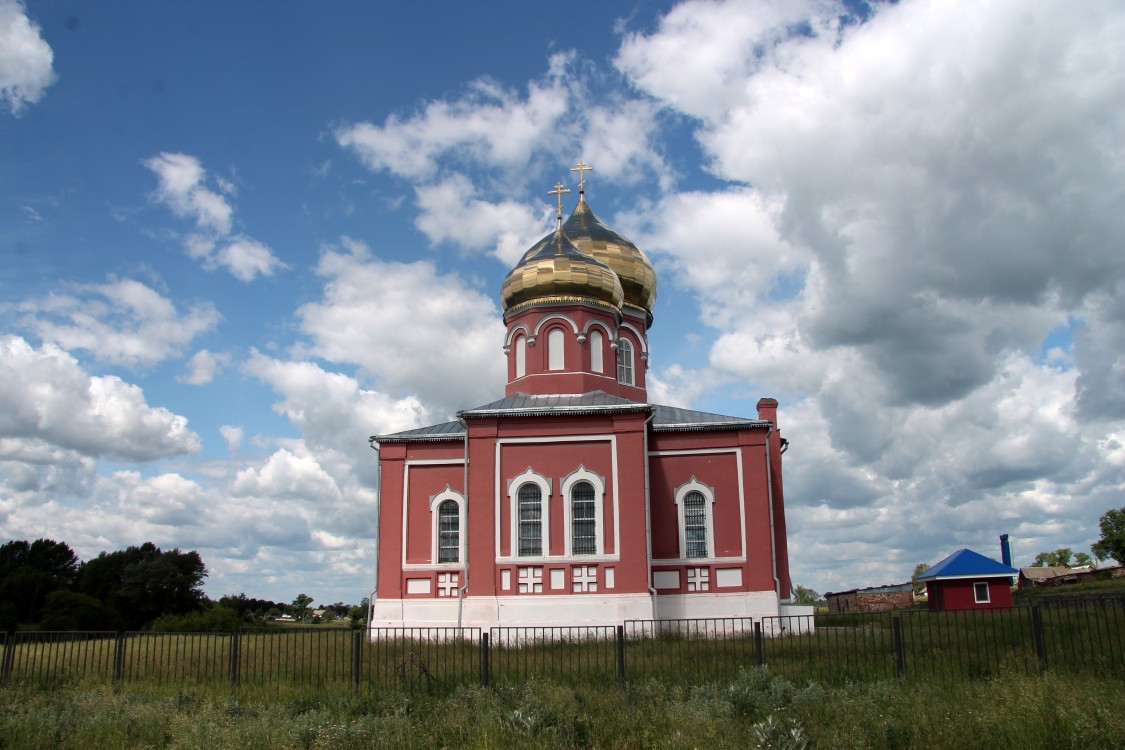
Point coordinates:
pixel 756 708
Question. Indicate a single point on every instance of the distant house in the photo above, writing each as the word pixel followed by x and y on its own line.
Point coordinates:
pixel 968 580
pixel 874 599
pixel 1042 575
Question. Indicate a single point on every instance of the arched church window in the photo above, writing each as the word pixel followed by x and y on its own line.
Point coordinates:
pixel 521 356
pixel 555 342
pixel 624 362
pixel 695 525
pixel 530 521
pixel 596 363
pixel 449 532
pixel 583 519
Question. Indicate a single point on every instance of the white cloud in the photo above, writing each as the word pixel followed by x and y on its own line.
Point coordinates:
pixel 913 205
pixel 26 60
pixel 488 124
pixel 285 475
pixel 412 329
pixel 182 189
pixel 48 402
pixel 233 436
pixel 203 366
pixel 124 322
pixel 505 229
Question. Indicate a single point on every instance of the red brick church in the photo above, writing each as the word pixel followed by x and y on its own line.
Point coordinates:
pixel 573 499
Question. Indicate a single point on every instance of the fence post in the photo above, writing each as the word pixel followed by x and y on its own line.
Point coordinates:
pixel 759 650
pixel 119 658
pixel 9 656
pixel 357 658
pixel 235 656
pixel 900 649
pixel 485 659
pixel 621 654
pixel 1037 637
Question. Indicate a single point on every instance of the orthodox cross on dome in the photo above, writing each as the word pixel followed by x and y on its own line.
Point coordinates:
pixel 559 190
pixel 581 167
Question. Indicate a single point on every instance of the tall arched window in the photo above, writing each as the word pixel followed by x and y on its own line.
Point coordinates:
pixel 596 363
pixel 521 356
pixel 695 525
pixel 624 362
pixel 555 342
pixel 449 532
pixel 530 521
pixel 583 520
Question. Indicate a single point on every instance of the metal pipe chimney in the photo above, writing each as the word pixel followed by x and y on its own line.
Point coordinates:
pixel 1005 550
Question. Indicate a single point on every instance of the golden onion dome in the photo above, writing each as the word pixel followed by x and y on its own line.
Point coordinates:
pixel 554 270
pixel 632 266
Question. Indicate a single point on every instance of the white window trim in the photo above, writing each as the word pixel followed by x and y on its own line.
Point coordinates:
pixel 435 524
pixel 529 476
pixel 694 485
pixel 582 474
pixel 987 593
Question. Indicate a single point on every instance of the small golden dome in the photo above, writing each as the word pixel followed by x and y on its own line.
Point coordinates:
pixel 632 266
pixel 554 270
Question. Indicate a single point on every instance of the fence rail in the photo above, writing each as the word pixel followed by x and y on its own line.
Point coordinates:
pixel 1081 637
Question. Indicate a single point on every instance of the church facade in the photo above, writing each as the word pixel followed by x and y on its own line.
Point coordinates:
pixel 573 499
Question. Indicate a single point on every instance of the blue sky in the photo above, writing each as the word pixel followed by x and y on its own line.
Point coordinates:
pixel 236 243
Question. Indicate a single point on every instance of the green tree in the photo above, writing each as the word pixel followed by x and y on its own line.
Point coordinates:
pixel 919 569
pixel 29 572
pixel 300 606
pixel 143 583
pixel 804 595
pixel 1112 541
pixel 1063 557
pixel 69 610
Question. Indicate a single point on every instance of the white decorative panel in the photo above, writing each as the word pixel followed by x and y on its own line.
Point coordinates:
pixel 610 577
pixel 447 584
pixel 666 579
pixel 698 579
pixel 585 578
pixel 531 580
pixel 728 577
pixel 558 578
pixel 417 585
pixel 506 580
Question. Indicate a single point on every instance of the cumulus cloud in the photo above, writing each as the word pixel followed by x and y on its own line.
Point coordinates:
pixel 123 321
pixel 203 366
pixel 505 228
pixel 26 60
pixel 48 402
pixel 181 188
pixel 911 205
pixel 407 326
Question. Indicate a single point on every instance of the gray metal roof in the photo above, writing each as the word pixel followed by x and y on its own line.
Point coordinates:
pixel 454 430
pixel 665 419
pixel 670 418
pixel 526 405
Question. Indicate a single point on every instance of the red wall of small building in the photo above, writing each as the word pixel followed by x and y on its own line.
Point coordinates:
pixel 955 594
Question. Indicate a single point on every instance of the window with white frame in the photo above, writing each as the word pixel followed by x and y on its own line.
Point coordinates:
pixel 583 520
pixel 697 526
pixel 530 519
pixel 624 362
pixel 583 494
pixel 596 344
pixel 447 509
pixel 556 340
pixel 980 592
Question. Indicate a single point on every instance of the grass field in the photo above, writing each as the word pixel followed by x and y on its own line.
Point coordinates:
pixel 756 709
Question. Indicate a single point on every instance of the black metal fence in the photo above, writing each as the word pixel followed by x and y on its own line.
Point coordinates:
pixel 1076 636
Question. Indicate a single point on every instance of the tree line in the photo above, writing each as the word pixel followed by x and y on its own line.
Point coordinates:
pixel 45 586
